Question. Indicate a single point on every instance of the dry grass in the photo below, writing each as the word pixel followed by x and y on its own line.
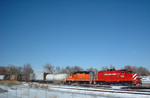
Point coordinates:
pixel 34 85
pixel 55 96
pixel 38 86
pixel 43 86
pixel 8 82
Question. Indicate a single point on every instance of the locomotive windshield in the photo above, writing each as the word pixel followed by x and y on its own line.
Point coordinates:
pixel 126 71
pixel 85 72
pixel 129 72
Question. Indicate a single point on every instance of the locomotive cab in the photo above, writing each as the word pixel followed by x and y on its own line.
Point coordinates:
pixel 130 77
pixel 135 78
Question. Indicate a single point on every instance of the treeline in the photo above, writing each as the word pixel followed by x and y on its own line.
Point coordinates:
pixel 17 70
pixel 26 69
pixel 68 69
pixel 141 71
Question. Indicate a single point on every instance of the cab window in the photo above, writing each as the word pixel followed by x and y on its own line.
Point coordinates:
pixel 128 72
pixel 122 73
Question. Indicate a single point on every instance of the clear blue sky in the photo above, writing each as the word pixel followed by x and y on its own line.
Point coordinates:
pixel 87 33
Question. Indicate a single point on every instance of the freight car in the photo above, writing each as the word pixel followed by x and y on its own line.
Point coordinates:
pixel 123 77
pixel 14 77
pixel 46 77
pixel 56 78
pixel 80 77
pixel 38 77
pixel 20 77
pixel 2 77
pixel 7 77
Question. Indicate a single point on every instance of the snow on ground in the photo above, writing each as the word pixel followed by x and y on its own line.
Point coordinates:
pixel 24 91
pixel 117 87
pixel 58 91
pixel 145 80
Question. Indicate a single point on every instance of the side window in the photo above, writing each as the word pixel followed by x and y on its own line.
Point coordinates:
pixel 129 72
pixel 122 73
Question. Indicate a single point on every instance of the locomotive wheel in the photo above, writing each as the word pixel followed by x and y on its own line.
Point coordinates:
pixel 101 83
pixel 69 82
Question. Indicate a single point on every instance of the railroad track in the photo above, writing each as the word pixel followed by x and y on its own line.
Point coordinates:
pixel 108 87
pixel 140 92
pixel 132 90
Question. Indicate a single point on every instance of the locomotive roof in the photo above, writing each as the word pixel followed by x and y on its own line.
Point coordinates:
pixel 111 69
pixel 86 72
pixel 125 70
pixel 119 70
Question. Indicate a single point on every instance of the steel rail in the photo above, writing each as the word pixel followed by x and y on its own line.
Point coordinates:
pixel 106 90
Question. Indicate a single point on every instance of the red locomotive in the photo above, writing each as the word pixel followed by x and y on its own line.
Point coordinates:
pixel 123 77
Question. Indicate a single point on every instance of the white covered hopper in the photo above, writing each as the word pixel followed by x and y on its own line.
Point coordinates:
pixel 58 77
pixel 50 77
pixel 37 76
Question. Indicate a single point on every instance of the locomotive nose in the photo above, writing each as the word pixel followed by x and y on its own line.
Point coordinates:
pixel 134 76
pixel 136 79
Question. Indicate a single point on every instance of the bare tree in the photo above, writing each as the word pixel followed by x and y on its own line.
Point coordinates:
pixel 111 67
pixel 19 70
pixel 133 68
pixel 11 69
pixel 140 70
pixel 104 68
pixel 27 70
pixel 49 68
pixel 128 67
pixel 94 70
pixel 69 69
pixel 76 68
pixel 64 71
pixel 58 70
pixel 143 71
pixel 3 70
